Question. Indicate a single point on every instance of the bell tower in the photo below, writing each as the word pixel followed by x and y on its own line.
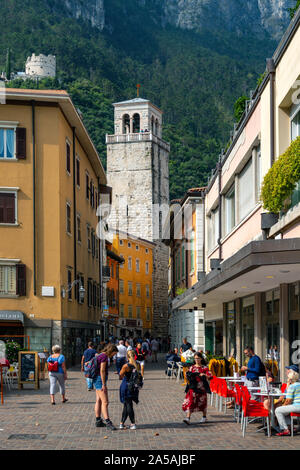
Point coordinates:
pixel 138 172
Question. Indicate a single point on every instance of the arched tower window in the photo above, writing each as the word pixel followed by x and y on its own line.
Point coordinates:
pixel 156 127
pixel 152 125
pixel 136 123
pixel 126 124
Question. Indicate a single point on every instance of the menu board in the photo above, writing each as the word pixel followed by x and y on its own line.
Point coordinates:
pixel 28 368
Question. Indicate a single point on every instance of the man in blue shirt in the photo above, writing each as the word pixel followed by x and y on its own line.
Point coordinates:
pixel 88 354
pixel 253 369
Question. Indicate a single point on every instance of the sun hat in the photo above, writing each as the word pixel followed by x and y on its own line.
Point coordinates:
pixel 293 367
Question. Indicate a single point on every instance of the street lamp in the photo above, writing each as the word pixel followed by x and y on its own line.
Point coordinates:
pixel 64 290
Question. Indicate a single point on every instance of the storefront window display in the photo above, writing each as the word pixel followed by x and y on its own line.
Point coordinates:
pixel 230 329
pixel 247 323
pixel 271 330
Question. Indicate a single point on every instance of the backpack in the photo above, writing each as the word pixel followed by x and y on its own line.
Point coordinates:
pixel 135 382
pixel 53 366
pixel 91 368
pixel 262 369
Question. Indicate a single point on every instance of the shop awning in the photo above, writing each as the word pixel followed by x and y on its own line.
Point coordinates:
pixel 11 315
pixel 114 256
pixel 257 267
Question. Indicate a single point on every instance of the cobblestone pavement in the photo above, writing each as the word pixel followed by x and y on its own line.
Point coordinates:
pixel 158 416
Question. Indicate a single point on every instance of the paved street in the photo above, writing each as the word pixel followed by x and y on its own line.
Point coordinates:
pixel 159 420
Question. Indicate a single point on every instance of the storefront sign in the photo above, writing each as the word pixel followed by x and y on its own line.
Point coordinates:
pixel 47 291
pixel 8 315
pixel 28 368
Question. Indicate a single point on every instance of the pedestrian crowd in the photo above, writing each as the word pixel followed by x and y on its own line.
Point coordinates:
pixel 129 356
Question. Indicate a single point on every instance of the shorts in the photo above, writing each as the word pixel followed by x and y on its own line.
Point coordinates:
pixel 97 383
pixel 142 363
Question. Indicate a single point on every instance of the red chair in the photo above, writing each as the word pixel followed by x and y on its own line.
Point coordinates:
pixel 293 416
pixel 225 392
pixel 253 410
pixel 283 388
pixel 213 384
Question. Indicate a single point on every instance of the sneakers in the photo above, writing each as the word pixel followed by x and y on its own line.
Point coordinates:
pixel 286 432
pixel 99 423
pixel 121 426
pixel 187 421
pixel 132 426
pixel 203 420
pixel 109 425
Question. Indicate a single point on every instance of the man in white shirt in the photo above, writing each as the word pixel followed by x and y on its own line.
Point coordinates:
pixel 121 356
pixel 128 345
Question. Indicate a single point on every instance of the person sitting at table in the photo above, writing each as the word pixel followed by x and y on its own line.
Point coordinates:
pixel 291 403
pixel 196 396
pixel 172 356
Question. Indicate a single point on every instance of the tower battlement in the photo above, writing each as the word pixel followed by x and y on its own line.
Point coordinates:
pixel 41 66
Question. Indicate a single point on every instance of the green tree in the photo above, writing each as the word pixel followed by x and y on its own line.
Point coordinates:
pixel 239 107
pixel 294 9
pixel 8 65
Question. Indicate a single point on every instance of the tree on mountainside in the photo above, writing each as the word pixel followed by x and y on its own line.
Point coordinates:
pixel 239 107
pixel 8 65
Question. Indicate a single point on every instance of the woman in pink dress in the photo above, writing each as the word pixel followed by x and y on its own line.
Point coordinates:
pixel 196 397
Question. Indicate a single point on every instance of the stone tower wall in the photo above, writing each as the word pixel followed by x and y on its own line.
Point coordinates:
pixel 138 172
pixel 41 66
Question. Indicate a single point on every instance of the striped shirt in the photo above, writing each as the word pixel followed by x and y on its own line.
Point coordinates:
pixel 293 393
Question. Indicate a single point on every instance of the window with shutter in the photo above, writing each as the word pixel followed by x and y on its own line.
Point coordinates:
pixel 78 172
pixel 87 186
pixel 7 208
pixel 68 157
pixel 7 143
pixel 8 282
pixel 21 143
pixel 21 280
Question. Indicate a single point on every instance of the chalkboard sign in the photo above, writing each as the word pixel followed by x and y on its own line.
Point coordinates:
pixel 28 368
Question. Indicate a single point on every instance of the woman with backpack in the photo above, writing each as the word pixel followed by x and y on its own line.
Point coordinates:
pixel 99 383
pixel 140 356
pixel 129 390
pixel 57 373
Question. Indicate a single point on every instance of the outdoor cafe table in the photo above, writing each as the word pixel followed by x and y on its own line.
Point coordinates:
pixel 270 395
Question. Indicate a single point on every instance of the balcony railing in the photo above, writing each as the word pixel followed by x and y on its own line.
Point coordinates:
pixel 138 137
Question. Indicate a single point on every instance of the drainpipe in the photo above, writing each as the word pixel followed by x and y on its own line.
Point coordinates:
pixel 220 207
pixel 271 70
pixel 34 195
pixel 100 256
pixel 75 207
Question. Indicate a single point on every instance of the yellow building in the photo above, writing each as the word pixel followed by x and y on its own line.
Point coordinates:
pixel 50 180
pixel 135 284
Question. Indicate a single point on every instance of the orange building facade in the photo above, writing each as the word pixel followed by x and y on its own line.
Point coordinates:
pixel 135 285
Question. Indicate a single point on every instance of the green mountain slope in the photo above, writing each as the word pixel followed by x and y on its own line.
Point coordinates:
pixel 195 77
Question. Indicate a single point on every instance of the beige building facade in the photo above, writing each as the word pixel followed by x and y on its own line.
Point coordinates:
pixel 49 190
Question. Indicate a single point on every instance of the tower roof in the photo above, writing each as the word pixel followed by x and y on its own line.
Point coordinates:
pixel 137 101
